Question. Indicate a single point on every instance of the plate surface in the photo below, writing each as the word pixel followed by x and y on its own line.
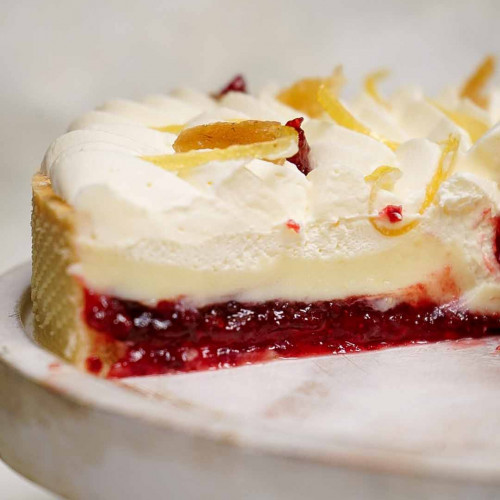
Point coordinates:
pixel 411 422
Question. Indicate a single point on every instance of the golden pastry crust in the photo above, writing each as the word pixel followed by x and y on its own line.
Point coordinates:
pixel 57 295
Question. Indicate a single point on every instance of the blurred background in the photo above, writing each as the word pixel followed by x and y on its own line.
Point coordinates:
pixel 59 58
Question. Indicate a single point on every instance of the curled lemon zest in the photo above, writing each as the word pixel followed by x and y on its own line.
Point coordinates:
pixel 371 82
pixel 386 176
pixel 473 88
pixel 302 95
pixel 276 149
pixel 339 113
pixel 443 171
pixel 475 127
pixel 172 129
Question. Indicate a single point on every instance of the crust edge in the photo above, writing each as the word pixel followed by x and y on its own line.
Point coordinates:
pixel 55 293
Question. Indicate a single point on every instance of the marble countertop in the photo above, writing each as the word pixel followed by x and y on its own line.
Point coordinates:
pixel 59 59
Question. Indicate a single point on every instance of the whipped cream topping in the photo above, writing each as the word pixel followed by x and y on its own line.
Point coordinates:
pixel 219 230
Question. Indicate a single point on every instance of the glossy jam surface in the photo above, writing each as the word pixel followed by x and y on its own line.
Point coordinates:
pixel 174 338
pixel 93 364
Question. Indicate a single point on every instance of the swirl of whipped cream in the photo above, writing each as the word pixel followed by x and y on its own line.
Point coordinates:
pixel 221 229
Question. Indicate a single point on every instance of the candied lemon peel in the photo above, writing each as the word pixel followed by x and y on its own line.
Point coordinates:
pixel 302 95
pixel 474 86
pixel 340 114
pixel 385 177
pixel 371 86
pixel 224 134
pixel 224 141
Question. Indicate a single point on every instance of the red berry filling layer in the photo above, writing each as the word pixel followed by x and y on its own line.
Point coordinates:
pixel 174 338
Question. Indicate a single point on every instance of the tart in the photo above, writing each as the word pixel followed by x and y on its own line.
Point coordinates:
pixel 190 231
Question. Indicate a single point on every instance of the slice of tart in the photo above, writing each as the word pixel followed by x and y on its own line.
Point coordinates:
pixel 191 231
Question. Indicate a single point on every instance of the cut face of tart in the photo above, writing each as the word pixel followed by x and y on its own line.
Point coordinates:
pixel 191 231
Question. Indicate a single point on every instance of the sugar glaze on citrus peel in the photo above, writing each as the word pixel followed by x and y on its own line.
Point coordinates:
pixel 192 230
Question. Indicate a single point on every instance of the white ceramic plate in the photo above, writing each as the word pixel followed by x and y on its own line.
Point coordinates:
pixel 414 422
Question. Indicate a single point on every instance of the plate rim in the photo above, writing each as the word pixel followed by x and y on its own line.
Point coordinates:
pixel 109 397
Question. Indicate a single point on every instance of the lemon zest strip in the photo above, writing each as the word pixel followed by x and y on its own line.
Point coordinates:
pixel 475 127
pixel 172 129
pixel 474 86
pixel 443 171
pixel 268 150
pixel 370 85
pixel 302 95
pixel 386 176
pixel 339 113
